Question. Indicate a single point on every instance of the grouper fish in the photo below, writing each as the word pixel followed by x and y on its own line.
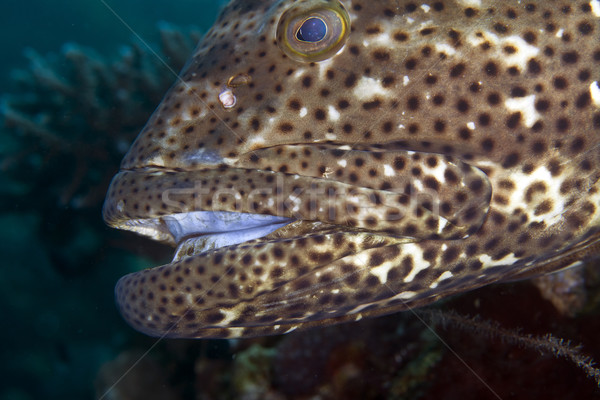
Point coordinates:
pixel 322 161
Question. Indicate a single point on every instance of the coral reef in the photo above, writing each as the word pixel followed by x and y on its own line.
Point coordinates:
pixel 66 124
pixel 66 128
pixel 74 114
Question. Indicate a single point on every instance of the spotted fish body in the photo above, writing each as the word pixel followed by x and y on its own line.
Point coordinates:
pixel 444 146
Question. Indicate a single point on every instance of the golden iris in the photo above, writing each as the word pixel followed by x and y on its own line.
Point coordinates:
pixel 313 30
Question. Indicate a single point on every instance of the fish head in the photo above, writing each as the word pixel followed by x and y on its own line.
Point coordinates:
pixel 319 161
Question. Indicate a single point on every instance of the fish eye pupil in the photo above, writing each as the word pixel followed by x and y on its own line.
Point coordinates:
pixel 312 30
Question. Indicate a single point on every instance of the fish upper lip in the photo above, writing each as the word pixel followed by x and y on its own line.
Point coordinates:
pixel 218 162
pixel 146 199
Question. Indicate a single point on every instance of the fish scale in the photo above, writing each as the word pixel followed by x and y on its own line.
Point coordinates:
pixel 421 149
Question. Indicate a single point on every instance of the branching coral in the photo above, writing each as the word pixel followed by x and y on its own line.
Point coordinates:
pixel 545 344
pixel 75 113
pixel 66 127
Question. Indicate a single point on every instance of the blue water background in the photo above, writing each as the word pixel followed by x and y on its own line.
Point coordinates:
pixel 57 330
pixel 46 25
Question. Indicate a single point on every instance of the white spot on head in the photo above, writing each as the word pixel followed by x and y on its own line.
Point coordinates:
pixel 342 163
pixel 367 88
pixel 405 80
pixel 487 261
pixel 443 276
pixel 559 33
pixel 419 263
pixel 595 4
pixel 298 74
pixel 595 93
pixel 229 316
pixel 437 171
pixel 303 112
pixel 426 24
pixel 524 52
pixel 445 48
pixel 471 125
pixel 227 98
pixel 324 66
pixel 381 271
pixel 404 295
pixel 256 141
pixel 388 170
pixel 526 106
pixel 442 225
pixel 383 38
pixel 469 3
pixel 418 184
pixel 334 114
pixel 425 7
pixel 518 196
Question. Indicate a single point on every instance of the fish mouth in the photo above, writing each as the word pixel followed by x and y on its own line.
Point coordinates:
pixel 200 210
pixel 200 231
pixel 197 232
pixel 184 222
pixel 250 234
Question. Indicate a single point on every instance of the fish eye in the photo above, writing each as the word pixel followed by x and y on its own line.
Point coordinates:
pixel 313 30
